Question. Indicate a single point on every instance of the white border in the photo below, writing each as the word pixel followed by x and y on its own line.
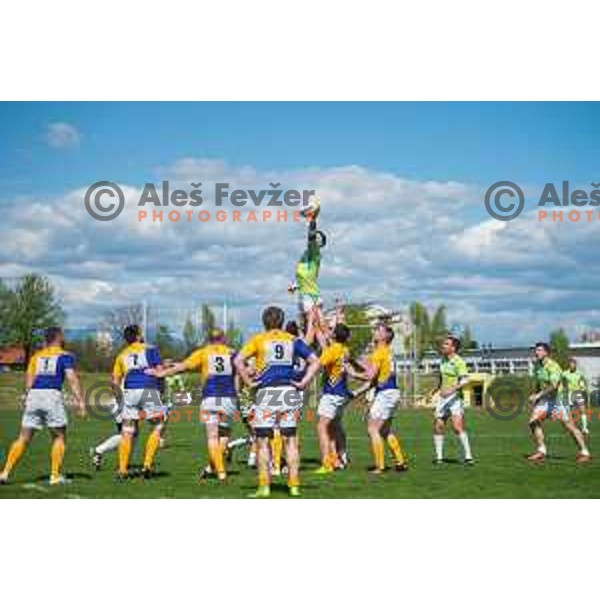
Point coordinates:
pixel 267 49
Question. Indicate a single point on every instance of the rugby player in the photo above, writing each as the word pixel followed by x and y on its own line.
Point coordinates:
pixel 44 403
pixel 219 394
pixel 278 396
pixel 307 275
pixel 576 392
pixel 546 402
pixel 381 368
pixel 141 398
pixel 454 375
pixel 335 360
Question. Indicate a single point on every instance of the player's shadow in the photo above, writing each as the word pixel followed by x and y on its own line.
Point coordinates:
pixel 72 476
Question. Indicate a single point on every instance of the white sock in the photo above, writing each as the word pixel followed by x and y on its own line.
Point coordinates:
pixel 438 443
pixel 464 440
pixel 112 443
pixel 584 421
pixel 542 448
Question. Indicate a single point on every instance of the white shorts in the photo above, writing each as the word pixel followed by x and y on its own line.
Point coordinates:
pixel 115 410
pixel 307 302
pixel 384 405
pixel 143 404
pixel 279 406
pixel 331 406
pixel 549 409
pixel 448 407
pixel 218 410
pixel 44 408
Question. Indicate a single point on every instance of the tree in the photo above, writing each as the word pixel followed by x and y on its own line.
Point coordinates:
pixel 234 335
pixel 466 340
pixel 559 345
pixel 360 328
pixel 438 329
pixel 191 337
pixel 6 300
pixel 166 343
pixel 28 310
pixel 117 319
pixel 208 322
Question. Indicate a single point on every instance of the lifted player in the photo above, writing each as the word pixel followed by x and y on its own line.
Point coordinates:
pixel 307 270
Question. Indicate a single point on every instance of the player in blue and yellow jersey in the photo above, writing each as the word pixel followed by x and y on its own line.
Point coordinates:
pixel 382 370
pixel 278 397
pixel 454 375
pixel 132 372
pixel 214 361
pixel 335 360
pixel 44 402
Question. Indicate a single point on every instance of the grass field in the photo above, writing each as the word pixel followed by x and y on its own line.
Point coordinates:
pixel 499 447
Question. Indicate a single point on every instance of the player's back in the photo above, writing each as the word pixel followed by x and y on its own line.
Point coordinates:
pixel 131 365
pixel 48 367
pixel 275 352
pixel 334 359
pixel 217 372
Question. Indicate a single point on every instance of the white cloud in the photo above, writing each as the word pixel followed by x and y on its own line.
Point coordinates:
pixel 391 240
pixel 62 136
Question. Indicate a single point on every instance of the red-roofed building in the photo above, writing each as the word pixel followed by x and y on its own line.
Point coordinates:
pixel 11 356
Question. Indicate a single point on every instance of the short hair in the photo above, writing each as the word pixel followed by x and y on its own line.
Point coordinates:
pixel 292 327
pixel 388 330
pixel 131 333
pixel 52 334
pixel 341 333
pixel 572 360
pixel 543 345
pixel 273 318
pixel 455 342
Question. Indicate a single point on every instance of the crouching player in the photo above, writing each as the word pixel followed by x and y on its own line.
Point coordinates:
pixel 454 375
pixel 547 376
pixel 132 372
pixel 381 368
pixel 278 396
pixel 44 403
pixel 219 397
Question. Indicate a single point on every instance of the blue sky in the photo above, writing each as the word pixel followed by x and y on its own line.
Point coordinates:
pixel 387 153
pixel 470 142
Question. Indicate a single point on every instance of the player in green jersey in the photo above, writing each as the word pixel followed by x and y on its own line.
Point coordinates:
pixel 454 375
pixel 546 401
pixel 575 393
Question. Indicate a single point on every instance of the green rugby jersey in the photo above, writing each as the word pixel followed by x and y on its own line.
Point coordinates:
pixel 546 372
pixel 451 370
pixel 307 270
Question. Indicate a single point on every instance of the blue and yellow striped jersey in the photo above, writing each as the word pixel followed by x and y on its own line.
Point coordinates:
pixel 275 353
pixel 382 360
pixel 131 364
pixel 333 360
pixel 215 363
pixel 48 367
